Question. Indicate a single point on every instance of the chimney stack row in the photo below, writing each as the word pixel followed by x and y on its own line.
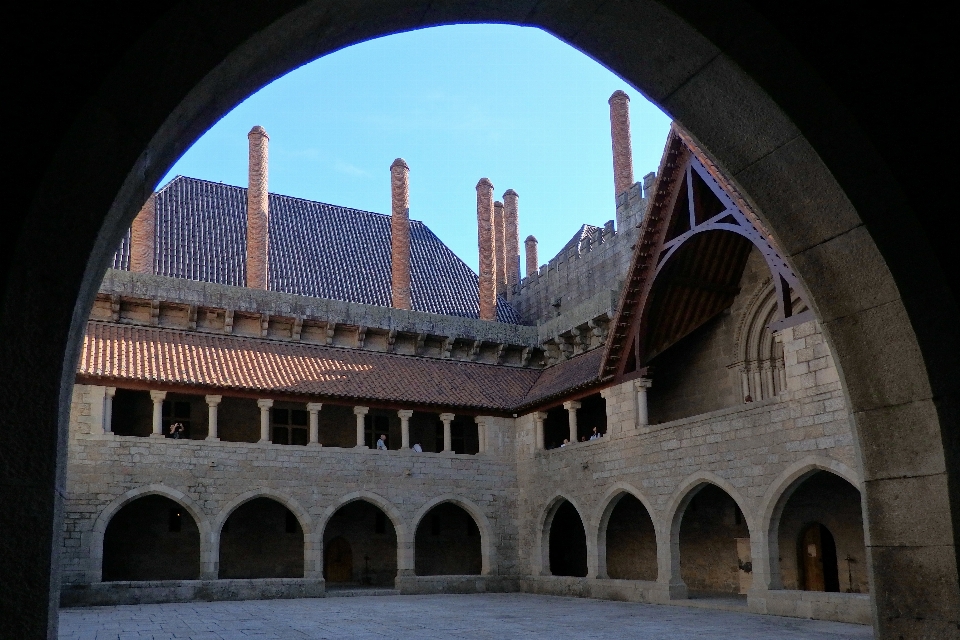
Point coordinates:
pixel 257 209
pixel 488 250
pixel 143 237
pixel 620 134
pixel 400 234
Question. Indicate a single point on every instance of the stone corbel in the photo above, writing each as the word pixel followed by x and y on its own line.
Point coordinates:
pixel 264 324
pixel 361 336
pixel 297 328
pixel 228 321
pixel 192 317
pixel 331 329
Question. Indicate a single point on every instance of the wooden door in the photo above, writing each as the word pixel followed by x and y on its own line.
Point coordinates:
pixel 338 561
pixel 811 559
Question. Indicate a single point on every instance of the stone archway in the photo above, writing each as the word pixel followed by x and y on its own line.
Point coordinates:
pixel 744 82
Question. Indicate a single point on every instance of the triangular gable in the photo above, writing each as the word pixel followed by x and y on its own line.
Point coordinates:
pixel 694 241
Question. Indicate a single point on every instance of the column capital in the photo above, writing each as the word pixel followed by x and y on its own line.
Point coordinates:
pixel 539 415
pixel 213 400
pixel 314 406
pixel 571 405
pixel 264 404
pixel 405 414
pixel 481 419
pixel 111 391
pixel 158 396
pixel 447 417
pixel 642 383
pixel 360 411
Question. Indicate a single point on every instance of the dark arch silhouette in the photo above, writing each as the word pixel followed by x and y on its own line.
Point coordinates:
pixel 447 542
pixel 369 535
pixel 710 528
pixel 794 105
pixel 568 542
pixel 261 538
pixel 151 538
pixel 631 541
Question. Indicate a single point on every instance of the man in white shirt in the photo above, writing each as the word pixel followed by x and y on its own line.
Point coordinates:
pixel 416 447
pixel 382 442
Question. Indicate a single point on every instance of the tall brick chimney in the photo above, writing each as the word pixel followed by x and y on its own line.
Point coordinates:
pixel 487 246
pixel 400 234
pixel 511 228
pixel 500 247
pixel 257 209
pixel 143 237
pixel 533 261
pixel 620 135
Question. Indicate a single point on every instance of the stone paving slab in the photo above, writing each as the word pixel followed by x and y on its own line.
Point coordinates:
pixel 483 616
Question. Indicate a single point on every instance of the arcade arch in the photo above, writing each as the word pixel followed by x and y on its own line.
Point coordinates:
pixel 447 542
pixel 564 540
pixel 360 543
pixel 261 538
pixel 627 539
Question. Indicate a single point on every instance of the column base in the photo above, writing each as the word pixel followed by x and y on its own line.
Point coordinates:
pixel 361 446
pixel 208 439
pixel 263 441
pixel 157 435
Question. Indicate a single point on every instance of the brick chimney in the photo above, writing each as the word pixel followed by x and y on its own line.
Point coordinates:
pixel 143 237
pixel 533 261
pixel 620 135
pixel 499 247
pixel 257 209
pixel 400 234
pixel 511 228
pixel 487 246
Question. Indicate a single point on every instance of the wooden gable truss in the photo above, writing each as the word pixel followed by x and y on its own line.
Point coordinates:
pixel 694 242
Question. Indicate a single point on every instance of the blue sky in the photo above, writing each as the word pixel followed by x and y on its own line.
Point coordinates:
pixel 458 103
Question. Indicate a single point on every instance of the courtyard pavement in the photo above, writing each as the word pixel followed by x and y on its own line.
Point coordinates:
pixel 438 616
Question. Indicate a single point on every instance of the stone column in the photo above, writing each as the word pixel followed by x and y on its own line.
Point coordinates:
pixel 314 409
pixel 669 583
pixel 571 408
pixel 767 380
pixel 264 419
pixel 499 242
pixel 486 243
pixel 538 418
pixel 360 412
pixel 143 237
pixel 400 234
pixel 533 261
pixel 108 409
pixel 481 433
pixel 257 209
pixel 511 238
pixel 158 398
pixel 643 415
pixel 620 137
pixel 212 424
pixel 405 428
pixel 447 418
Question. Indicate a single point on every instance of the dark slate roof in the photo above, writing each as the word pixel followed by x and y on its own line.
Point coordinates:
pixel 316 249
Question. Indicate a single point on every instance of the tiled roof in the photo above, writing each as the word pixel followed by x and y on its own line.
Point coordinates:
pixel 575 373
pixel 114 352
pixel 316 249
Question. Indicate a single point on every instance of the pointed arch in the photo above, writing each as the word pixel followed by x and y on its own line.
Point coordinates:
pixel 404 538
pixel 601 520
pixel 97 533
pixel 487 549
pixel 545 521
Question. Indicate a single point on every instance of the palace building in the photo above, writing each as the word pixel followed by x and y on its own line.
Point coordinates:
pixel 651 415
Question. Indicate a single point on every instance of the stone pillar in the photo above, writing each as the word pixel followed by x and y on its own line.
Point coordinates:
pixel 212 424
pixel 669 583
pixel 499 241
pixel 158 398
pixel 768 391
pixel 404 427
pixel 447 418
pixel 486 243
pixel 360 412
pixel 643 415
pixel 257 209
pixel 571 408
pixel 96 395
pixel 108 409
pixel 481 433
pixel 538 418
pixel 511 238
pixel 400 234
pixel 533 261
pixel 314 409
pixel 143 237
pixel 620 137
pixel 264 419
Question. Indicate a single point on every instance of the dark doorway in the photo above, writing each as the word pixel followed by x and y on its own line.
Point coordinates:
pixel 370 537
pixel 151 538
pixel 556 427
pixel 709 531
pixel 448 543
pixel 338 561
pixel 261 539
pixel 817 553
pixel 568 543
pixel 631 542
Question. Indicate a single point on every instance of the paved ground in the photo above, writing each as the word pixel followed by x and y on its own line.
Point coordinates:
pixel 486 616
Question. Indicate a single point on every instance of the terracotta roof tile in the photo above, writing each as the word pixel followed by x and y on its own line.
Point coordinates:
pixel 575 373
